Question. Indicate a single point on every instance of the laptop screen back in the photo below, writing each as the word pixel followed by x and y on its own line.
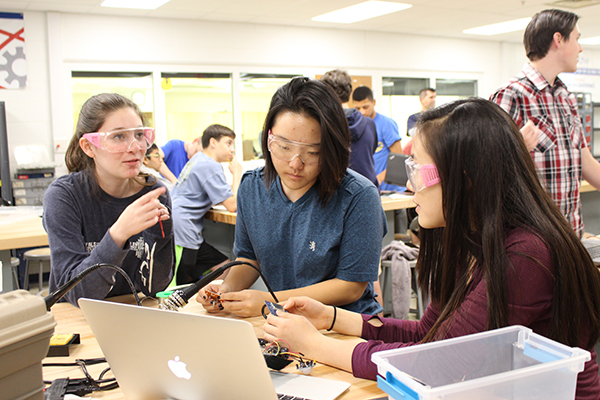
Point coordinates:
pixel 157 354
pixel 396 170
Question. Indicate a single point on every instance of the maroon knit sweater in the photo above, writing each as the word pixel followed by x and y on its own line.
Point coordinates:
pixel 530 291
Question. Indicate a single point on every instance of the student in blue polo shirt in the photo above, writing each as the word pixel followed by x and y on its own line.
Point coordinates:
pixel 310 224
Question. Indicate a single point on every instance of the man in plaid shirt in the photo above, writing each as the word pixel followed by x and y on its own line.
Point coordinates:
pixel 540 104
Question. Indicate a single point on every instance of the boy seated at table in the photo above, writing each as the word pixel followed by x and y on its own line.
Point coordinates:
pixel 201 185
pixel 152 163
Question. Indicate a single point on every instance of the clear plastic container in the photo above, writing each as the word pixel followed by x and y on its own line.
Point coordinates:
pixel 511 363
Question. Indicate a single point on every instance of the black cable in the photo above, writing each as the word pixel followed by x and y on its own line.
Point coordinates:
pixel 53 298
pixel 101 377
pixel 78 361
pixel 81 386
pixel 180 297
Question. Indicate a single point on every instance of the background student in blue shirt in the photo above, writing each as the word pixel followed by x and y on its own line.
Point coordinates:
pixel 201 185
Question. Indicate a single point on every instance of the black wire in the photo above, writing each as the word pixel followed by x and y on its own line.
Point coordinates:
pixel 78 361
pixel 92 361
pixel 54 297
pixel 101 377
pixel 262 277
pixel 89 383
pixel 180 297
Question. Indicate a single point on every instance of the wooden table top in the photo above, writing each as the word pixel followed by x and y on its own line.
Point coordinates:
pixel 397 202
pixel 226 217
pixel 70 319
pixel 586 187
pixel 388 203
pixel 27 232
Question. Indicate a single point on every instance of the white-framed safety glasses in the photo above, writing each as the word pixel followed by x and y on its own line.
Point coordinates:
pixel 120 140
pixel 421 176
pixel 285 150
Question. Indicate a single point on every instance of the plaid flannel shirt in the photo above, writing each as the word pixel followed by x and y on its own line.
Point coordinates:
pixel 553 109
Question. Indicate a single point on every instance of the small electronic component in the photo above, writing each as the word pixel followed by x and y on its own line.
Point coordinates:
pixel 274 307
pixel 210 295
pixel 305 366
pixel 214 298
pixel 275 355
pixel 278 357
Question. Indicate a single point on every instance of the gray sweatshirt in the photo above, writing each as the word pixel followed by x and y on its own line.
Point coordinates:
pixel 77 222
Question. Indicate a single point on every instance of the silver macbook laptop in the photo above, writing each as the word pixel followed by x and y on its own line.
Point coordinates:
pixel 158 354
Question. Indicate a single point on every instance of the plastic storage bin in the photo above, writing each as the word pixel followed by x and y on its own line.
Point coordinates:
pixel 509 363
pixel 25 331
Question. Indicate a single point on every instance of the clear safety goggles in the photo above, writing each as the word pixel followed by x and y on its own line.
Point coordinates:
pixel 120 141
pixel 421 176
pixel 155 155
pixel 285 150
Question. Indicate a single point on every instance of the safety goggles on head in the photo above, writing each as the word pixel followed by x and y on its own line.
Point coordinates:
pixel 421 176
pixel 285 150
pixel 120 141
pixel 154 155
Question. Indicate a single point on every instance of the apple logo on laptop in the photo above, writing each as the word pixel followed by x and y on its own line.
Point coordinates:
pixel 178 368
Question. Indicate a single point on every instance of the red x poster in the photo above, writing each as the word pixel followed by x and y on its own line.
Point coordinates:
pixel 13 69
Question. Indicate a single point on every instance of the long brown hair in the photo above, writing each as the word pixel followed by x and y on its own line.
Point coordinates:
pixel 490 187
pixel 92 116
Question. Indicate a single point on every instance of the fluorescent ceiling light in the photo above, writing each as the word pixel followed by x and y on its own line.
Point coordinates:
pixel 362 11
pixel 141 4
pixel 592 40
pixel 574 3
pixel 502 27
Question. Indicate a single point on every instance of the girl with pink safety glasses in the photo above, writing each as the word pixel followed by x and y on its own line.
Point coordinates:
pixel 105 210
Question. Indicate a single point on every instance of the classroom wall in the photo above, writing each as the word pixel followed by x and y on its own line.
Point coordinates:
pixel 165 41
pixel 223 43
pixel 188 46
pixel 58 42
pixel 28 113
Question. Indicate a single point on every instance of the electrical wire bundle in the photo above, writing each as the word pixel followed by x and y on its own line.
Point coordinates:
pixel 180 297
pixel 278 356
pixel 79 386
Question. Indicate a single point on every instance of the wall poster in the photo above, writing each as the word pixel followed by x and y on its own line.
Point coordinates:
pixel 13 69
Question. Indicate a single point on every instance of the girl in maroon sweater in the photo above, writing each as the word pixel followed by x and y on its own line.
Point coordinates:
pixel 495 251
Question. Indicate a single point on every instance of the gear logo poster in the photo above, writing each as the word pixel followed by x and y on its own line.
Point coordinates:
pixel 13 69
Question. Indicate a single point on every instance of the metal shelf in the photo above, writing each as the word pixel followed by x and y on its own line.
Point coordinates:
pixel 586 110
